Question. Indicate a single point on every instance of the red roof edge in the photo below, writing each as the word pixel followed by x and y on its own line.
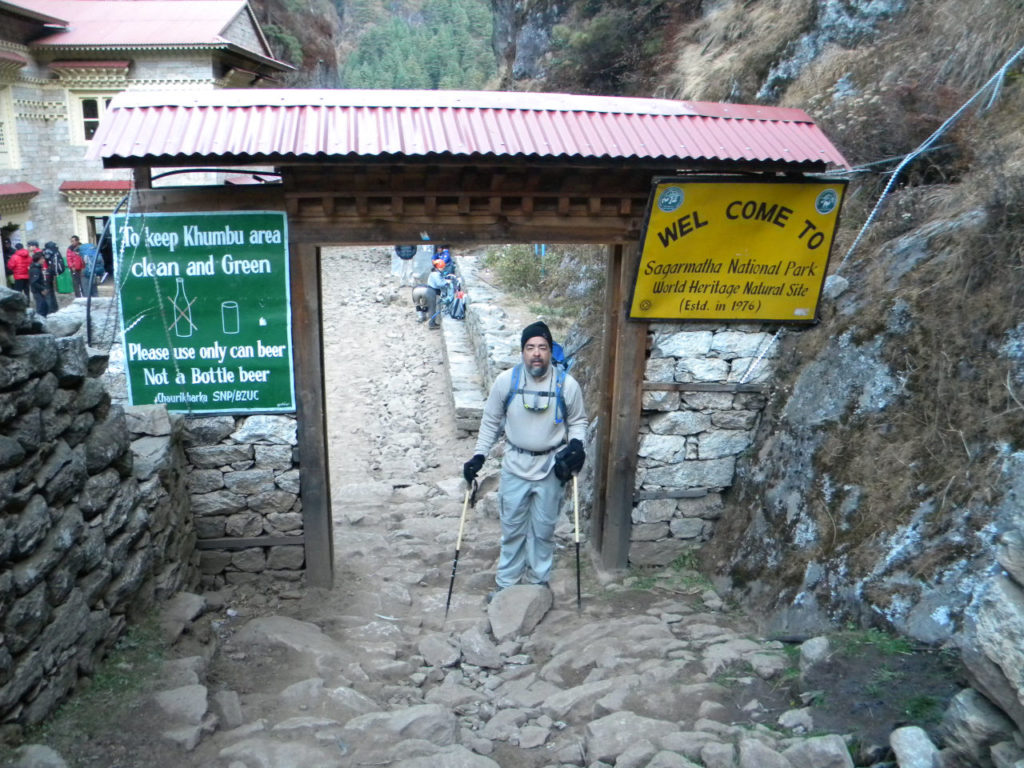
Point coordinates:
pixel 96 184
pixel 18 188
pixel 91 64
pixel 21 61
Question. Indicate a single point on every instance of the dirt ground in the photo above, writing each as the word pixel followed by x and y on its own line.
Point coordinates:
pixel 392 434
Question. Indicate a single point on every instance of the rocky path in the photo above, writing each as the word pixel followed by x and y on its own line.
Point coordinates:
pixel 653 672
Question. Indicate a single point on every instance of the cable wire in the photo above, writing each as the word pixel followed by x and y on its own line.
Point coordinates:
pixel 995 84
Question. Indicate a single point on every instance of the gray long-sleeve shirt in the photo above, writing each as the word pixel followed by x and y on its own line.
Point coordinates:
pixel 531 429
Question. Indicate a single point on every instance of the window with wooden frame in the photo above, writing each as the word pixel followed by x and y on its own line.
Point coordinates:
pixel 87 109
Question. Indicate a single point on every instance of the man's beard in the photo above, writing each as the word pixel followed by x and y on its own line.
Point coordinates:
pixel 538 372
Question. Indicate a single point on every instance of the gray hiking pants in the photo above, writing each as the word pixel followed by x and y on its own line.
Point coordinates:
pixel 529 511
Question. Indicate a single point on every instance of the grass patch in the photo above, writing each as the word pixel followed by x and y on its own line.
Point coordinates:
pixel 923 709
pixel 858 642
pixel 107 696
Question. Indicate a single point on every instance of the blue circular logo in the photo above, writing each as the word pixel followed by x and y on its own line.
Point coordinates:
pixel 670 199
pixel 827 201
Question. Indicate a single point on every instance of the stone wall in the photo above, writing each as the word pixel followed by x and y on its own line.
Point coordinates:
pixel 243 479
pixel 244 484
pixel 701 404
pixel 94 523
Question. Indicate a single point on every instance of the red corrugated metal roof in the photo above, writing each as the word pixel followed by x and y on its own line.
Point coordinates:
pixel 284 124
pixel 18 188
pixel 96 184
pixel 138 23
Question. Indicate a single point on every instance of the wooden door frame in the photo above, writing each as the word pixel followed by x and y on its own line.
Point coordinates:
pixel 365 203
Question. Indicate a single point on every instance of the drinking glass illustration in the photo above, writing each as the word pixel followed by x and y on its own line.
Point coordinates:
pixel 229 316
pixel 182 311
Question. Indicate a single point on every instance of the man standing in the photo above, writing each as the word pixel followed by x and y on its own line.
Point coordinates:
pixel 37 281
pixel 75 264
pixel 545 425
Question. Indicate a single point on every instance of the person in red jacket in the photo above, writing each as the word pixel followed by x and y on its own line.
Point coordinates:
pixel 76 264
pixel 19 264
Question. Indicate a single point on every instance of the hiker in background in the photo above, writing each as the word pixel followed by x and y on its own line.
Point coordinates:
pixel 435 284
pixel 444 254
pixel 540 408
pixel 37 281
pixel 75 264
pixel 8 249
pixel 106 250
pixel 55 267
pixel 19 264
pixel 93 268
pixel 421 299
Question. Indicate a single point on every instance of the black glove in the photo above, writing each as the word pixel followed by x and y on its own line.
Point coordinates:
pixel 569 460
pixel 471 467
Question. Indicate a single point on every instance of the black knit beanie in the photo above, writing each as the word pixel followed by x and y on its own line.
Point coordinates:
pixel 536 329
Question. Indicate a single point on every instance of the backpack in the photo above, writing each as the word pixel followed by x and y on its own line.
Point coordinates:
pixel 517 376
pixel 457 311
pixel 55 258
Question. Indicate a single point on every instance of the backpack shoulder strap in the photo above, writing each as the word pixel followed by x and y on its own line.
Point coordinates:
pixel 560 409
pixel 514 384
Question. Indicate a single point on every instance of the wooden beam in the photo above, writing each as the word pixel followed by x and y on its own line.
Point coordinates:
pixel 692 386
pixel 246 197
pixel 629 360
pixel 314 482
pixel 142 177
pixel 684 493
pixel 250 541
pixel 474 228
pixel 599 505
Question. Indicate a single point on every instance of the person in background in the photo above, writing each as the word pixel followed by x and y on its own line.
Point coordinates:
pixel 435 284
pixel 38 283
pixel 75 264
pixel 19 264
pixel 106 249
pixel 93 268
pixel 540 410
pixel 54 267
pixel 8 251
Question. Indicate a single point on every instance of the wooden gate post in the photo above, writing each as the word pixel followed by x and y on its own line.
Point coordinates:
pixel 625 357
pixel 314 483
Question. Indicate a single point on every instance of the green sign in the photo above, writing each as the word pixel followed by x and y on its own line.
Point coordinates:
pixel 205 311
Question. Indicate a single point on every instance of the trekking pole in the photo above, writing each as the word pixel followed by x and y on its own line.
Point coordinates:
pixel 458 546
pixel 576 516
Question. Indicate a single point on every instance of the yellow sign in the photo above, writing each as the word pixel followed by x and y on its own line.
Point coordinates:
pixel 721 249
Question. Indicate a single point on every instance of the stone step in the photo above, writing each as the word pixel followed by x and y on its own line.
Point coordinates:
pixel 465 385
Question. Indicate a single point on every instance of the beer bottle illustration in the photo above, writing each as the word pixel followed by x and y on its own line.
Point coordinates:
pixel 182 311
